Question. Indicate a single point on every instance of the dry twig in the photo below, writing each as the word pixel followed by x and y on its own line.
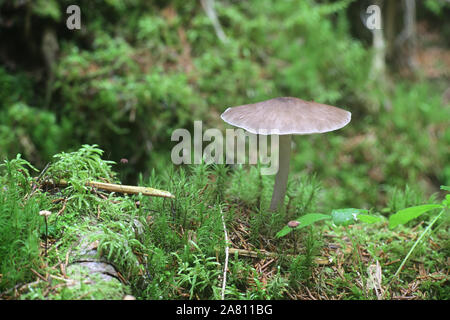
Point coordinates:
pixel 225 268
pixel 112 187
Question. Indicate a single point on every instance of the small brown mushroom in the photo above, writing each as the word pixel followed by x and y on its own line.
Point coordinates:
pixel 286 116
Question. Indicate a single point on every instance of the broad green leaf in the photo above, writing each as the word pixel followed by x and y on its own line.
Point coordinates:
pixel 446 188
pixel 368 218
pixel 406 215
pixel 310 218
pixel 283 232
pixel 304 221
pixel 345 217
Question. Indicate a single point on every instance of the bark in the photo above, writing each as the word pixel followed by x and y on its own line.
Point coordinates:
pixel 406 41
pixel 410 30
pixel 379 46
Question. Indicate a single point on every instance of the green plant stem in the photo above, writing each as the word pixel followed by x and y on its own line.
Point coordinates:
pixel 46 235
pixel 361 269
pixel 415 245
pixel 294 236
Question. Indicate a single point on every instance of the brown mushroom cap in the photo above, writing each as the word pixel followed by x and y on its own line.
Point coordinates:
pixel 287 115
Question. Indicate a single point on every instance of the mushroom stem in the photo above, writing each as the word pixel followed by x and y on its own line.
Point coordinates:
pixel 279 189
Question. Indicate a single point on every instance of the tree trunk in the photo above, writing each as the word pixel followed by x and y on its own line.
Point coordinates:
pixel 410 31
pixel 379 46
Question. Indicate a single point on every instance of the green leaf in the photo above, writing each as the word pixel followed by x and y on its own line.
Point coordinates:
pixel 345 217
pixel 47 8
pixel 368 218
pixel 446 188
pixel 408 214
pixel 304 221
pixel 310 218
pixel 286 230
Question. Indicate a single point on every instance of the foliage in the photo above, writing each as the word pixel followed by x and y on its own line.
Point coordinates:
pixel 339 217
pixel 24 128
pixel 175 249
pixel 304 221
pixel 148 68
pixel 405 215
pixel 437 7
pixel 140 69
pixel 408 214
pixel 81 165
pixel 19 224
pixel 411 213
pixel 198 274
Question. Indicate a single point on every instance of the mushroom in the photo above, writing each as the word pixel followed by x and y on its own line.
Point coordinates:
pixel 286 116
pixel 293 224
pixel 46 214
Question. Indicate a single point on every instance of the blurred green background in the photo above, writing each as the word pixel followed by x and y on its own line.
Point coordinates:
pixel 139 69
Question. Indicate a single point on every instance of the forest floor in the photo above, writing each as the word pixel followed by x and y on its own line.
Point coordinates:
pixel 102 245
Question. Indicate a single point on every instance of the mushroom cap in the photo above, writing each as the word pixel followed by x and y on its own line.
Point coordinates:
pixel 293 224
pixel 287 115
pixel 45 213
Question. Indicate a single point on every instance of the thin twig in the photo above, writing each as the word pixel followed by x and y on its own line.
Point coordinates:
pixel 309 293
pixel 208 6
pixel 416 243
pixel 224 283
pixel 63 207
pixel 112 187
pixel 34 186
pixel 43 172
pixel 264 253
pixel 19 288
pixel 412 249
pixel 38 274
